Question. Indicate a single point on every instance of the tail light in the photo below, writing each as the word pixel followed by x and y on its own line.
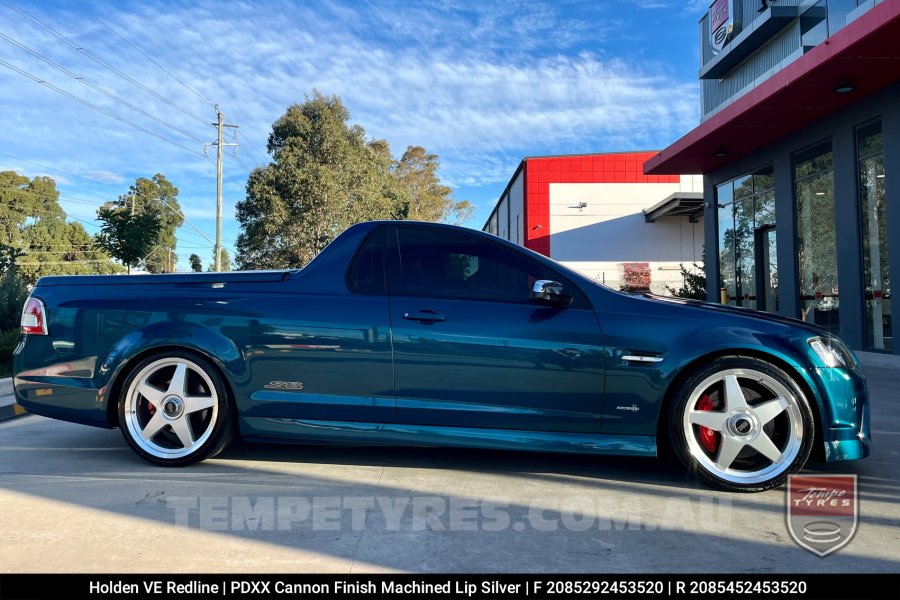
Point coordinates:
pixel 34 318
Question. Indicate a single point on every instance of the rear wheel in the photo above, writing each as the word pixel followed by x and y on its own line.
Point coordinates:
pixel 741 424
pixel 174 410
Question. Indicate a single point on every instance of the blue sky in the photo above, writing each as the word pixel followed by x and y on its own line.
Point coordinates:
pixel 481 84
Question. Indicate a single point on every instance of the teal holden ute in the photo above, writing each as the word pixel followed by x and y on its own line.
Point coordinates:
pixel 423 334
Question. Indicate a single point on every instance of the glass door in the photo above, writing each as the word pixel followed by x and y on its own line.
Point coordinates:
pixel 816 241
pixel 876 265
pixel 747 208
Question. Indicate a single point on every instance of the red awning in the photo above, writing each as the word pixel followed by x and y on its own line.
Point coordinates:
pixel 865 54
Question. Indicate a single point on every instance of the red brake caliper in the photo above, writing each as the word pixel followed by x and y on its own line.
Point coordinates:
pixel 708 437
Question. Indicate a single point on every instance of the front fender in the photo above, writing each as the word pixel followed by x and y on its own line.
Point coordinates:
pixel 838 396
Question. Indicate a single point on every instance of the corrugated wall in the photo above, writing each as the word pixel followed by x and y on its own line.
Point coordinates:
pixel 756 68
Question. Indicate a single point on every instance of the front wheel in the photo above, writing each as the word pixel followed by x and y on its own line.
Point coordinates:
pixel 741 424
pixel 174 410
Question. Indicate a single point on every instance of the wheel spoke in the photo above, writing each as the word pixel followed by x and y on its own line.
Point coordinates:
pixel 734 395
pixel 763 444
pixel 150 393
pixel 728 452
pixel 194 403
pixel 726 422
pixel 182 429
pixel 705 418
pixel 179 379
pixel 770 409
pixel 153 426
pixel 163 397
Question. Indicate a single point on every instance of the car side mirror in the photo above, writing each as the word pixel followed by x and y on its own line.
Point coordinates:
pixel 550 293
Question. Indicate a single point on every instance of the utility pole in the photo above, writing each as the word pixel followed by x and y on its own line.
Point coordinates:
pixel 219 144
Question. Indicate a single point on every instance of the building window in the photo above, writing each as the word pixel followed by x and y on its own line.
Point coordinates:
pixel 814 24
pixel 748 271
pixel 816 241
pixel 838 11
pixel 873 213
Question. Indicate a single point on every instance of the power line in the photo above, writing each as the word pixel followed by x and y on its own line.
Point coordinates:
pixel 82 221
pixel 60 197
pixel 99 61
pixel 34 250
pixel 241 162
pixel 94 86
pixel 253 155
pixel 97 108
pixel 96 59
pixel 64 262
pixel 148 57
pixel 57 169
pixel 63 214
pixel 86 245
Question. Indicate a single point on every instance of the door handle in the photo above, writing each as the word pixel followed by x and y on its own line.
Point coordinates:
pixel 424 316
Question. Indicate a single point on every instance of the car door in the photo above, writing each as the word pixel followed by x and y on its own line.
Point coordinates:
pixel 472 350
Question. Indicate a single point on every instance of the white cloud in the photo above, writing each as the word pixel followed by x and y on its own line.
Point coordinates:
pixel 690 7
pixel 105 176
pixel 480 84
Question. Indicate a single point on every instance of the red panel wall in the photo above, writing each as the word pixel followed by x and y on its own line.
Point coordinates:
pixel 623 167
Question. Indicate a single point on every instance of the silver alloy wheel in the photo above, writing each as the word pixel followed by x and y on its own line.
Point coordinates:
pixel 171 408
pixel 741 424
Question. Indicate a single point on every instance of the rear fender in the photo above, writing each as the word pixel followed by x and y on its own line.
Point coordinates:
pixel 159 337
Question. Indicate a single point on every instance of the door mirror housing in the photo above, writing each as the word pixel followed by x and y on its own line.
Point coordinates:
pixel 550 293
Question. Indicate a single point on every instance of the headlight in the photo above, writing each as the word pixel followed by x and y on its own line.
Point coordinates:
pixel 832 352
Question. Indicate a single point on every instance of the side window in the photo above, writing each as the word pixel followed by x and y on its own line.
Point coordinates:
pixel 367 275
pixel 452 265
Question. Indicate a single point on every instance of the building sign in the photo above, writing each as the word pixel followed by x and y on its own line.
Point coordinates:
pixel 721 24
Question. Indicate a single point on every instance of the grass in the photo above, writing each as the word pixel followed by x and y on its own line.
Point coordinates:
pixel 8 341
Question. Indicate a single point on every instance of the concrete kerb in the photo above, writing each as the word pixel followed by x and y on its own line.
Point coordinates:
pixel 8 406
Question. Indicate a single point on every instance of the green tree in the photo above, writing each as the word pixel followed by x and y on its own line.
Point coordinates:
pixel 694 283
pixel 323 178
pixel 196 265
pixel 158 197
pixel 427 199
pixel 13 293
pixel 128 237
pixel 226 262
pixel 35 235
pixel 16 205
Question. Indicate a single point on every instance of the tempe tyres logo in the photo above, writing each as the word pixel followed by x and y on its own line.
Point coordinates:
pixel 822 511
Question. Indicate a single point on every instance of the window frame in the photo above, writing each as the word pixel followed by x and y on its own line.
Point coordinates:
pixel 397 286
pixel 753 197
pixel 868 327
pixel 349 278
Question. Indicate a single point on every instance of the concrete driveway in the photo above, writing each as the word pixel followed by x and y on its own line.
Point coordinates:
pixel 75 498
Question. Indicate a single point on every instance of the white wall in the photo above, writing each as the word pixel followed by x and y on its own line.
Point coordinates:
pixel 610 230
pixel 502 224
pixel 517 209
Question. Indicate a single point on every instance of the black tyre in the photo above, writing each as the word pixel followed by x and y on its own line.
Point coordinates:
pixel 741 424
pixel 174 409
